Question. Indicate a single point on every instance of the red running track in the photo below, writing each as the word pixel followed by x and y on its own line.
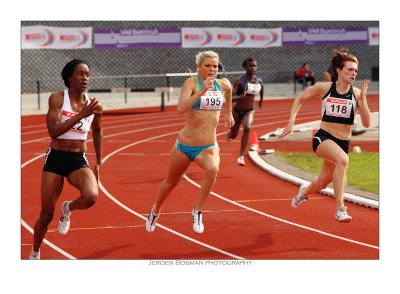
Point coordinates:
pixel 248 215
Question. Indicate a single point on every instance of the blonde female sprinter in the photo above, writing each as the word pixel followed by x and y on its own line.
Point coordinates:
pixel 201 102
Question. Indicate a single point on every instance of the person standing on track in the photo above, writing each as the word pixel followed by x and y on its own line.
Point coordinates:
pixel 340 103
pixel 245 88
pixel 201 102
pixel 70 116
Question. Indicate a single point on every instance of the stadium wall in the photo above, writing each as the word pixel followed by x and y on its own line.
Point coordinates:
pixel 275 64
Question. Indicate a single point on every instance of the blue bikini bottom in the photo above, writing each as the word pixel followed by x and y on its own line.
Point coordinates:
pixel 192 151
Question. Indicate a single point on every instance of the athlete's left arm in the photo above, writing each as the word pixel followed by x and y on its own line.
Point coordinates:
pixel 261 94
pixel 227 88
pixel 363 109
pixel 97 132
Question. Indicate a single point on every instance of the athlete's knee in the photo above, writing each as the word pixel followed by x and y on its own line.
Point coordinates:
pixel 45 218
pixel 170 184
pixel 90 198
pixel 233 133
pixel 342 162
pixel 212 170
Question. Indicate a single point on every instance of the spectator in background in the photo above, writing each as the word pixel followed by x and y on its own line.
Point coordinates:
pixel 304 75
pixel 329 75
pixel 221 71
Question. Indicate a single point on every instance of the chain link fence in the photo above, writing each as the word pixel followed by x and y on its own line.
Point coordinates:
pixel 146 68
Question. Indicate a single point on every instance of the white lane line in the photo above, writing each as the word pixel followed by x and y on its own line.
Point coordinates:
pixel 116 134
pixel 144 218
pixel 126 125
pixel 26 226
pixel 258 125
pixel 127 208
pixel 166 228
pixel 280 219
pixel 58 249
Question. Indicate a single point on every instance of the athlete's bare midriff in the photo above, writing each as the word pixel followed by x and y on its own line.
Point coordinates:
pixel 200 128
pixel 68 145
pixel 340 131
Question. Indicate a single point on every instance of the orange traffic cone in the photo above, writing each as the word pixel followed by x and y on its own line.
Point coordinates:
pixel 254 146
pixel 313 133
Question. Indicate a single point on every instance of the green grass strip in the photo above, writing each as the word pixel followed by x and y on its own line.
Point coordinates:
pixel 363 170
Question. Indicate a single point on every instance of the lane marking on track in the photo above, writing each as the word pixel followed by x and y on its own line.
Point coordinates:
pixel 122 133
pixel 280 219
pixel 99 228
pixel 276 199
pixel 47 138
pixel 108 194
pixel 204 211
pixel 58 249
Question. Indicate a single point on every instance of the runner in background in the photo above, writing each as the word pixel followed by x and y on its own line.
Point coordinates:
pixel 245 90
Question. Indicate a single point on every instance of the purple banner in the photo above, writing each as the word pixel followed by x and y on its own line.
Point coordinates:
pixel 325 36
pixel 137 38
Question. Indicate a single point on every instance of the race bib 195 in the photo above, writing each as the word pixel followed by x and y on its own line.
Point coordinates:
pixel 211 100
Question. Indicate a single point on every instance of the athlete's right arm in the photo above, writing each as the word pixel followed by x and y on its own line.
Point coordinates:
pixel 53 118
pixel 316 91
pixel 187 98
pixel 236 85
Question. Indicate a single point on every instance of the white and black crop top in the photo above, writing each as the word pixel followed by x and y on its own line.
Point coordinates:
pixel 339 108
pixel 252 89
pixel 81 129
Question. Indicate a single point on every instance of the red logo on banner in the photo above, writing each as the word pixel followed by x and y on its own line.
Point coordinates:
pixel 192 37
pixel 225 37
pixel 33 36
pixel 68 38
pixel 258 37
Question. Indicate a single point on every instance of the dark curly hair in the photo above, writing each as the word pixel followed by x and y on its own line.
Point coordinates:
pixel 69 68
pixel 247 60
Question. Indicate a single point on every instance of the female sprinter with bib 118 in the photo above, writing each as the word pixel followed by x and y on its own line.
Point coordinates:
pixel 70 116
pixel 201 101
pixel 340 103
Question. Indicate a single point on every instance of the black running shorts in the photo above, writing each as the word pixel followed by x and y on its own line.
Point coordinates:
pixel 322 135
pixel 64 162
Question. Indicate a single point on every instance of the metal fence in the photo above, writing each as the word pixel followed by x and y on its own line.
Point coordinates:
pixel 147 68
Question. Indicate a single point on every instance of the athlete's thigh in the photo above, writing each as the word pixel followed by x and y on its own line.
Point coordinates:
pixel 247 119
pixel 178 164
pixel 237 119
pixel 209 157
pixel 83 179
pixel 51 188
pixel 330 151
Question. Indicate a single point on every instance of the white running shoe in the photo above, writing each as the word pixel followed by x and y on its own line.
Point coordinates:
pixel 151 221
pixel 34 255
pixel 197 217
pixel 240 160
pixel 342 216
pixel 299 198
pixel 64 222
